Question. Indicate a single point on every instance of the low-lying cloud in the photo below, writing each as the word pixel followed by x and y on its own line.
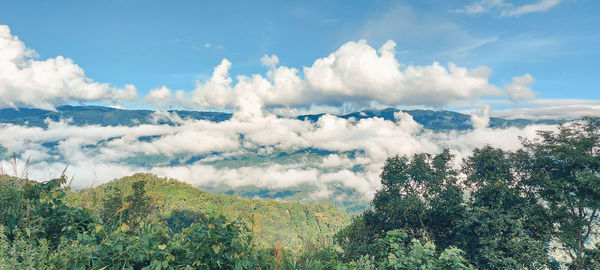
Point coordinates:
pixel 98 154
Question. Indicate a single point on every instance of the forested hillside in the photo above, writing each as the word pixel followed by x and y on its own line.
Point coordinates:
pixel 288 224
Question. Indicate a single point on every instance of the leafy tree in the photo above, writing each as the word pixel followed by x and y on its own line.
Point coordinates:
pixel 357 238
pixel 41 208
pixel 498 232
pixel 418 255
pixel 141 205
pixel 419 195
pixel 565 169
pixel 180 219
pixel 133 209
pixel 111 206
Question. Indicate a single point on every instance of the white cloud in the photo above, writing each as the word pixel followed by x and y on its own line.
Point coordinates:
pixel 483 6
pixel 540 6
pixel 216 92
pixel 520 89
pixel 357 72
pixel 538 109
pixel 508 9
pixel 26 81
pixel 159 96
pixel 375 140
pixel 481 119
pixel 354 74
pixel 269 61
pixel 567 112
pixel 353 77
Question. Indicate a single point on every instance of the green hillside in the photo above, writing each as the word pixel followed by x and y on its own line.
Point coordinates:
pixel 289 224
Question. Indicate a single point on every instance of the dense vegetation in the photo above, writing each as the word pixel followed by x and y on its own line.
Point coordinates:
pixel 291 225
pixel 533 208
pixel 529 209
pixel 42 228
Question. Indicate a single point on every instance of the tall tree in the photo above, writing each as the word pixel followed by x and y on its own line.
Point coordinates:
pixel 419 195
pixel 501 229
pixel 565 169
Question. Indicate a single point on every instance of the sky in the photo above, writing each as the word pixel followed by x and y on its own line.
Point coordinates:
pixel 263 59
pixel 544 50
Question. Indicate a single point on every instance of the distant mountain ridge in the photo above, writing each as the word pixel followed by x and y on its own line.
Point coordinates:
pixel 434 120
pixel 97 115
pixel 108 116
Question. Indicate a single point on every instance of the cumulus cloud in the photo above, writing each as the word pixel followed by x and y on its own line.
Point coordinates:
pixel 354 74
pixel 216 92
pixel 508 9
pixel 26 81
pixel 520 89
pixel 359 72
pixel 269 61
pixel 160 96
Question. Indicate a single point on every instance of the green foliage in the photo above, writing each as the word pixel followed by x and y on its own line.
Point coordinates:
pixel 565 168
pixel 293 226
pixel 133 209
pixel 512 210
pixel 419 195
pixel 40 209
pixel 49 233
pixel 501 229
pixel 398 253
pixel 40 231
pixel 498 225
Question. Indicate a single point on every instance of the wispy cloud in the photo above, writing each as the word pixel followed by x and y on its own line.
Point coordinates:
pixel 507 9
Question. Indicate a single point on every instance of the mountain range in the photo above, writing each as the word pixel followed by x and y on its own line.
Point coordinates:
pixel 108 116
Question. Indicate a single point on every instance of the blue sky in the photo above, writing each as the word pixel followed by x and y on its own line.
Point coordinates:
pixel 176 43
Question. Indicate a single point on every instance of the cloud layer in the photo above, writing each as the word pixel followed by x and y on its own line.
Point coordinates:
pixel 98 154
